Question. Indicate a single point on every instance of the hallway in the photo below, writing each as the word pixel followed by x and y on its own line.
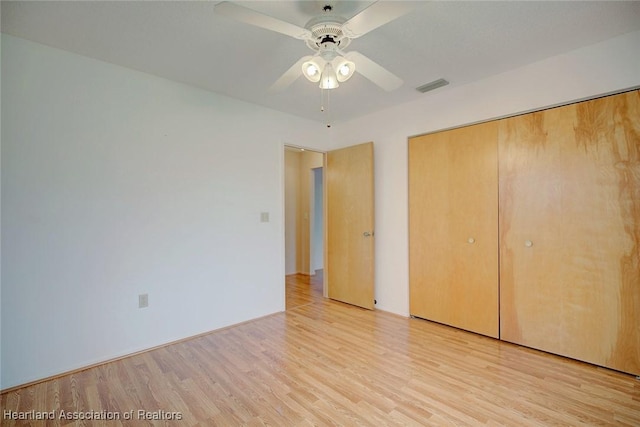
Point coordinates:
pixel 302 289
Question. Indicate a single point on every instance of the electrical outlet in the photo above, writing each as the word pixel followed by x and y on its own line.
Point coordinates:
pixel 143 300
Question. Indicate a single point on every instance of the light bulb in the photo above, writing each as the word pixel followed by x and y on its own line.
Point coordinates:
pixel 312 70
pixel 344 70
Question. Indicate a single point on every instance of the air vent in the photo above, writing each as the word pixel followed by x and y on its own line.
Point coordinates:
pixel 433 85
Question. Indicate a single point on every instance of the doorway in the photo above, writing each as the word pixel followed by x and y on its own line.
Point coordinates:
pixel 347 235
pixel 304 211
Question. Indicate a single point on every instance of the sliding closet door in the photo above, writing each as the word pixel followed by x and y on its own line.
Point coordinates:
pixel 570 231
pixel 453 228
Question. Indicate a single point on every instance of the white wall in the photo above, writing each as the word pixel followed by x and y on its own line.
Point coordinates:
pixel 116 183
pixel 606 67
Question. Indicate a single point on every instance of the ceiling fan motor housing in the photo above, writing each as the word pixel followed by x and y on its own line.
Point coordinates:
pixel 327 33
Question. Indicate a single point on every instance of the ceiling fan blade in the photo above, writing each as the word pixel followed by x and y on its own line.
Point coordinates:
pixel 290 75
pixel 374 72
pixel 376 15
pixel 252 17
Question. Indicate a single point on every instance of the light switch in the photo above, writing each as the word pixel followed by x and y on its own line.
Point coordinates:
pixel 143 300
pixel 264 216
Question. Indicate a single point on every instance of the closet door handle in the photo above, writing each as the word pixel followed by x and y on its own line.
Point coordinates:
pixel 528 243
pixel 471 240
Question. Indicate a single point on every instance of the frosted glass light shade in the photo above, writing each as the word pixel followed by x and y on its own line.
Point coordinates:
pixel 345 68
pixel 329 79
pixel 311 70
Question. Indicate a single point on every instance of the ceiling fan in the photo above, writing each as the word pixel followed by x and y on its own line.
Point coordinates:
pixel 327 35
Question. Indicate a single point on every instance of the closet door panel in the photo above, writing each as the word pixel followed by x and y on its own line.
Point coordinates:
pixel 453 217
pixel 570 231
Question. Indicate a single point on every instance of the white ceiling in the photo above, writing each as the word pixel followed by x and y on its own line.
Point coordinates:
pixel 185 41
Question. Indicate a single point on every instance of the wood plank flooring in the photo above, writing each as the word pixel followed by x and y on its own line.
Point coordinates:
pixel 326 363
pixel 302 289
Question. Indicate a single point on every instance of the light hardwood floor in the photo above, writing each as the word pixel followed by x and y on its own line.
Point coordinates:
pixel 327 363
pixel 302 289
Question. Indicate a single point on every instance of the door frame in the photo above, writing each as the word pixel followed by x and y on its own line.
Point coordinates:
pixel 340 293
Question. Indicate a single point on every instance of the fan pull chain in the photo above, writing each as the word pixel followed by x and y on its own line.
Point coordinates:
pixel 322 105
pixel 328 110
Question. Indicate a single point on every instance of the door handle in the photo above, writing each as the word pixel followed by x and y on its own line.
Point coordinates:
pixel 367 234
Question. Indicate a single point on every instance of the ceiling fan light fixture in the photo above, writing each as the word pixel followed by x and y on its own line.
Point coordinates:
pixel 329 79
pixel 311 70
pixel 327 35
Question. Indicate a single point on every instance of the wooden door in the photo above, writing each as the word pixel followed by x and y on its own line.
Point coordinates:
pixel 453 228
pixel 350 222
pixel 570 231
